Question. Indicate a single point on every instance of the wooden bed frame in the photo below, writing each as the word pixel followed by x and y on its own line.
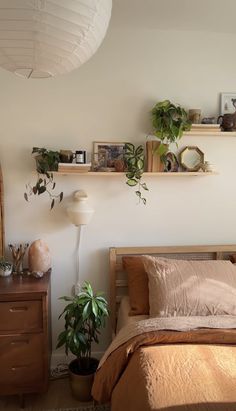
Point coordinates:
pixel 118 280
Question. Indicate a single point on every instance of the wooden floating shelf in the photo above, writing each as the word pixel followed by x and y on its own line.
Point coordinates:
pixel 210 133
pixel 146 174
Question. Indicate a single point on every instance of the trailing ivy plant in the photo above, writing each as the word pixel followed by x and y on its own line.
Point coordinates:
pixel 84 315
pixel 46 162
pixel 169 123
pixel 134 160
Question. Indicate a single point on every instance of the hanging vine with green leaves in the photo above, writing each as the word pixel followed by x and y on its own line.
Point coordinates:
pixel 46 162
pixel 134 160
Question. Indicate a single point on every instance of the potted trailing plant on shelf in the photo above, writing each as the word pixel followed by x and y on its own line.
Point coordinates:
pixel 5 267
pixel 169 122
pixel 46 162
pixel 84 315
pixel 134 160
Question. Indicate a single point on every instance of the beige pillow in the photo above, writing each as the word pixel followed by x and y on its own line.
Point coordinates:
pixel 190 288
pixel 137 284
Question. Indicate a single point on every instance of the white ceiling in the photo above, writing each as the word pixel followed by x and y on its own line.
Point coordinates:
pixel 198 15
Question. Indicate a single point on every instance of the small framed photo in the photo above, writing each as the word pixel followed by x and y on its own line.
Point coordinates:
pixel 227 103
pixel 107 152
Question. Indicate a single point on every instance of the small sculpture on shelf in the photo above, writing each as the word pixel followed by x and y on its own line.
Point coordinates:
pixel 171 163
pixel 207 167
pixel 18 253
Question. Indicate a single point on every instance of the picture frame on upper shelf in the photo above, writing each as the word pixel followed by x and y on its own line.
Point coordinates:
pixel 227 103
pixel 105 153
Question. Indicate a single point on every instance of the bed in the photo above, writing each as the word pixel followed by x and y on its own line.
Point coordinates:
pixel 174 362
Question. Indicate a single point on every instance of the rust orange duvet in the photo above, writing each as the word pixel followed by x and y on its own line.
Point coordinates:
pixel 171 364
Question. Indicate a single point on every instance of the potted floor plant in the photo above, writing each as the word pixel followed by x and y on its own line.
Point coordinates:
pixel 84 316
pixel 169 122
pixel 46 162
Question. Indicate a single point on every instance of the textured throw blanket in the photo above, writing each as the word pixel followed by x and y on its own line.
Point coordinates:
pixel 169 324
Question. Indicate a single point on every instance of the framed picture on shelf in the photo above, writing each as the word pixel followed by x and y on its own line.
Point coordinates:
pixel 105 154
pixel 227 103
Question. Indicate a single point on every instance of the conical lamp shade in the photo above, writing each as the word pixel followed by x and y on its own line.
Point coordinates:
pixel 43 38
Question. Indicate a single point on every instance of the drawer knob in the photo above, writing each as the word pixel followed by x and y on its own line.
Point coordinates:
pixel 18 367
pixel 19 342
pixel 18 309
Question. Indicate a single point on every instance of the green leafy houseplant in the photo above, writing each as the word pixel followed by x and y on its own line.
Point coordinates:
pixel 84 315
pixel 169 123
pixel 46 162
pixel 134 160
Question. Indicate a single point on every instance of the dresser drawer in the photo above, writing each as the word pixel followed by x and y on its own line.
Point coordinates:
pixel 21 360
pixel 20 316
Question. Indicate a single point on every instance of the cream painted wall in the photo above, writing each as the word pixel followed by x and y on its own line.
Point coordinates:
pixel 109 98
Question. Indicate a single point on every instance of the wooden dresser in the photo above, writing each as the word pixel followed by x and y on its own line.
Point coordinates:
pixel 25 343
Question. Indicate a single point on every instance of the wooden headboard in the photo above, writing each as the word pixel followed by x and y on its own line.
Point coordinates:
pixel 118 280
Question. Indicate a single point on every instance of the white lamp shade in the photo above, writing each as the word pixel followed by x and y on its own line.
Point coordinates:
pixel 79 212
pixel 43 38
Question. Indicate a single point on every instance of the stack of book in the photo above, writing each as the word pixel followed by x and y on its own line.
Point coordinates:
pixel 206 128
pixel 74 168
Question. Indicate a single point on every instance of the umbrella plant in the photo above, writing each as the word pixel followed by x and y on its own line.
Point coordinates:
pixel 84 316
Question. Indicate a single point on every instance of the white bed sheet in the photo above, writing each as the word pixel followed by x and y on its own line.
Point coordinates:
pixel 123 315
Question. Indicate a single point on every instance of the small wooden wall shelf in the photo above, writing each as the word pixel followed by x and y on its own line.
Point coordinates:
pixel 147 174
pixel 210 134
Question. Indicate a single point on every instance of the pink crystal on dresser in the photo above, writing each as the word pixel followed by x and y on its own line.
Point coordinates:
pixel 39 256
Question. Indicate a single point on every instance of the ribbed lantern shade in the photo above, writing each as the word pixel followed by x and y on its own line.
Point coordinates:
pixel 44 38
pixel 79 212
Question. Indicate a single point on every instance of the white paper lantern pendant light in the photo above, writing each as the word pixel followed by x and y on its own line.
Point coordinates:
pixel 44 38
